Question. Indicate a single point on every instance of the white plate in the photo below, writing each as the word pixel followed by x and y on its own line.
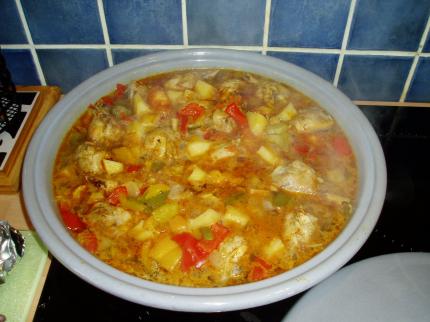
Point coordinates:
pixel 393 287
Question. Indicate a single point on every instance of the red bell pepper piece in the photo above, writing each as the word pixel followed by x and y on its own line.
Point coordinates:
pixel 259 269
pixel 108 100
pixel 71 220
pixel 116 194
pixel 257 273
pixel 120 90
pixel 133 168
pixel 341 146
pixel 88 240
pixel 189 113
pixel 219 233
pixel 237 115
pixel 195 251
pixel 192 255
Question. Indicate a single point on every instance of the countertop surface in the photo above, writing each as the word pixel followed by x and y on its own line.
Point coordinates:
pixel 402 227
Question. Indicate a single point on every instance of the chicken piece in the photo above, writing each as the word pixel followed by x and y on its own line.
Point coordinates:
pixel 299 227
pixel 104 130
pixel 90 158
pixel 296 177
pixel 222 122
pixel 109 219
pixel 227 257
pixel 267 92
pixel 312 120
pixel 159 145
pixel 230 87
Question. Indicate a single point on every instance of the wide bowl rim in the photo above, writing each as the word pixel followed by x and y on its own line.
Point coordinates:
pixel 68 252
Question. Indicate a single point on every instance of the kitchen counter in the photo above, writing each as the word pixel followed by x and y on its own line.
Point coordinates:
pixel 402 227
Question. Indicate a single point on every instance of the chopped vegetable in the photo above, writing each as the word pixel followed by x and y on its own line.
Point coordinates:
pixel 205 90
pixel 71 220
pixel 89 240
pixel 114 196
pixel 131 204
pixel 192 255
pixel 257 123
pixel 188 114
pixel 268 155
pixel 167 253
pixel 341 146
pixel 140 107
pixel 280 199
pixel 198 175
pixel 206 219
pixel 235 216
pixel 198 148
pixel 165 212
pixel 237 115
pixel 113 167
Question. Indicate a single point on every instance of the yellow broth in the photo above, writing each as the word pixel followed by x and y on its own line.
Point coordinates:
pixel 205 178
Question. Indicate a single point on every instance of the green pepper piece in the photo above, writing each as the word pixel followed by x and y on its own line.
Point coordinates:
pixel 155 201
pixel 207 233
pixel 157 166
pixel 280 199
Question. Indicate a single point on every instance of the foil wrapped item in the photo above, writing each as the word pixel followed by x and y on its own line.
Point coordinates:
pixel 12 246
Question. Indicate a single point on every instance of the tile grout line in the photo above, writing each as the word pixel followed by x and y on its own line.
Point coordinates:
pixel 105 32
pixel 30 43
pixel 411 73
pixel 352 52
pixel 184 23
pixel 345 40
pixel 266 26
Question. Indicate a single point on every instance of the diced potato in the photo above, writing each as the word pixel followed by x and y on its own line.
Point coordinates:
pixel 144 230
pixel 198 175
pixel 273 248
pixel 178 224
pixel 95 197
pixel 77 193
pixel 175 96
pixel 267 155
pixel 198 148
pixel 155 189
pixel 135 132
pixel 206 219
pixel 140 107
pixel 167 253
pixel 257 123
pixel 204 90
pixel 131 204
pixel 158 98
pixel 235 216
pixel 124 155
pixel 133 188
pixel 113 167
pixel 174 122
pixel 222 153
pixel 287 113
pixel 165 212
pixel 189 95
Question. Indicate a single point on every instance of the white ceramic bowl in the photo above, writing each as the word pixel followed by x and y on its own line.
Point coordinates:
pixel 39 199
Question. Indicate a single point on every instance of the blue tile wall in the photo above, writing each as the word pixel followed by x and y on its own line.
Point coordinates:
pixel 11 30
pixel 225 22
pixel 389 25
pixel 144 22
pixel 374 77
pixel 311 23
pixel 68 41
pixel 69 67
pixel 21 66
pixel 122 55
pixel 63 22
pixel 323 65
pixel 420 86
